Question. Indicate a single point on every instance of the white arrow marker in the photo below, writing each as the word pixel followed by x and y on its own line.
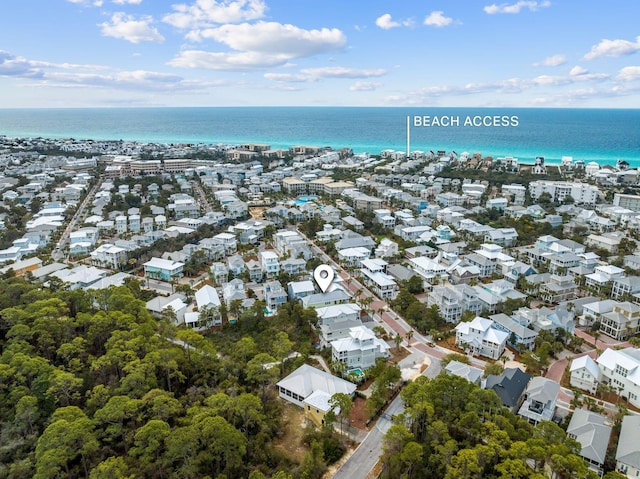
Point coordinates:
pixel 323 275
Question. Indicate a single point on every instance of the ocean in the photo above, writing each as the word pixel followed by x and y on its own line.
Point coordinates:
pixel 601 135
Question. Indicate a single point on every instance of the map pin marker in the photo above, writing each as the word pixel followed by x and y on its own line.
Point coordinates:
pixel 323 275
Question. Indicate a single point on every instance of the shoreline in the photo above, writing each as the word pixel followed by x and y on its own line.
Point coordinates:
pixel 526 162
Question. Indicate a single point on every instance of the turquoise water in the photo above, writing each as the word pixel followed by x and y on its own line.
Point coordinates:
pixel 603 135
pixel 304 199
pixel 357 371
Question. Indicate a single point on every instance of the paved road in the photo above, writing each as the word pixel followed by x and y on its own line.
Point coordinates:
pixel 363 460
pixel 366 456
pixel 58 252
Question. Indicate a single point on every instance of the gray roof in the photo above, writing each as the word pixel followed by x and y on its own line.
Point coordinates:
pixel 591 432
pixel 628 451
pixel 465 371
pixel 306 380
pixel 509 386
pixel 400 272
pixel 513 326
pixel 543 390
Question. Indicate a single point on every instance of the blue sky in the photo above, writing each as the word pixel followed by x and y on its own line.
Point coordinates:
pixel 468 53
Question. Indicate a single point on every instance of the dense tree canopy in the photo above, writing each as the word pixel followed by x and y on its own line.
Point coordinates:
pixel 453 429
pixel 93 386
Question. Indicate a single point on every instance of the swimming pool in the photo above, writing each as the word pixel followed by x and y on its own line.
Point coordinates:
pixel 304 199
pixel 357 371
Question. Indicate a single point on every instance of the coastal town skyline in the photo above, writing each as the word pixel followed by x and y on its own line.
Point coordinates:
pixel 109 53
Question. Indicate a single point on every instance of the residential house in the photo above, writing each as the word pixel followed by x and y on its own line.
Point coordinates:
pixel 430 270
pixel 540 400
pixel 236 265
pixel 592 431
pixel 160 305
pixel 509 386
pixel 108 255
pixel 162 269
pixel 621 370
pixel 121 224
pixel 625 287
pixel 502 236
pixel 353 257
pixel 300 289
pixel 293 266
pixel 558 288
pixel 228 241
pixel 479 337
pixel 621 323
pixel 319 300
pixel 303 385
pixel 382 284
pixel 22 267
pixel 270 264
pixel 208 303
pixel 470 373
pixel 453 300
pixel 360 350
pixel 255 271
pixel 518 333
pixel 336 321
pixel 220 273
pixel 628 451
pixel 274 295
pixel 233 290
pixel 386 248
pixel 603 276
pixel 585 374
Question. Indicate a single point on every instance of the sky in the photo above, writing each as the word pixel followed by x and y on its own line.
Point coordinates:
pixel 456 53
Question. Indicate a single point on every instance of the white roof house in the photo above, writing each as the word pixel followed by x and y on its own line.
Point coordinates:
pixel 592 431
pixel 585 373
pixel 207 296
pixel 480 337
pixel 306 380
pixel 622 368
pixel 628 452
pixel 361 349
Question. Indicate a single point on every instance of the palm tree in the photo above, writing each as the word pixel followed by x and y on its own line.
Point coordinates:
pixel 398 340
pixel 409 335
pixel 339 367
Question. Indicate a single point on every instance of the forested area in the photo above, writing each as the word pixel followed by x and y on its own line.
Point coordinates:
pixel 95 387
pixel 453 429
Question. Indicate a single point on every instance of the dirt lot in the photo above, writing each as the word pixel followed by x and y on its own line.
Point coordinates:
pixel 290 441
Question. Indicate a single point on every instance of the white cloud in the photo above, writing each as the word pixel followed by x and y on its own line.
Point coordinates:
pixel 437 19
pixel 365 86
pixel 532 5
pixel 240 61
pixel 64 75
pixel 552 61
pixel 508 86
pixel 286 77
pixel 277 38
pixel 578 70
pixel 203 13
pixel 385 22
pixel 96 3
pixel 613 48
pixel 316 74
pixel 260 45
pixel 629 73
pixel 342 72
pixel 124 2
pixel 11 65
pixel 128 28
